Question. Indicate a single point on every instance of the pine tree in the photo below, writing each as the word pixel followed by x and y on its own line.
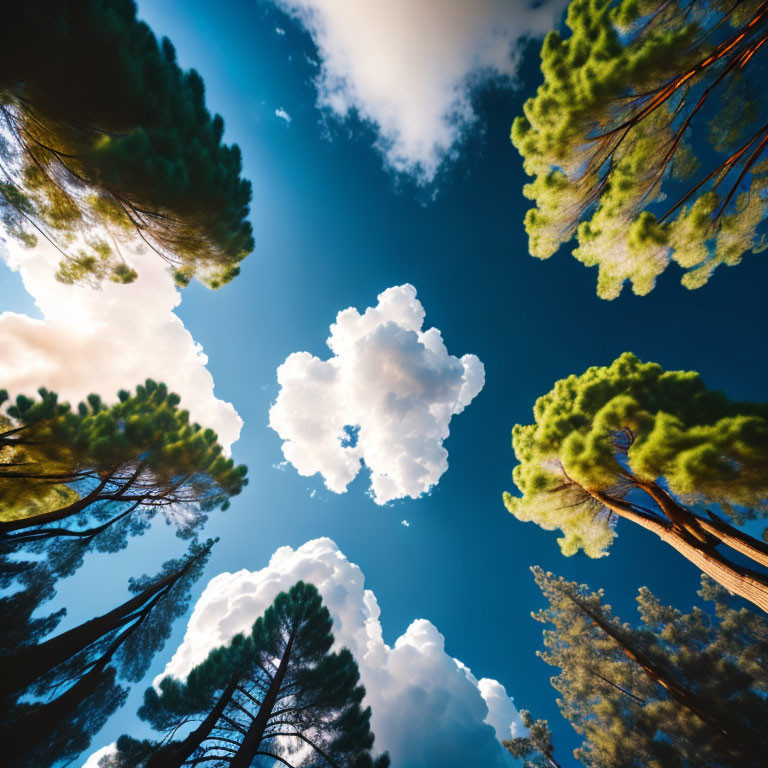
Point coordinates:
pixel 58 692
pixel 535 749
pixel 646 139
pixel 278 693
pixel 112 465
pixel 631 441
pixel 125 151
pixel 678 690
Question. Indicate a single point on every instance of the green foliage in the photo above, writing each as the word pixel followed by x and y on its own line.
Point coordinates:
pixel 141 452
pixel 96 154
pixel 630 98
pixel 677 690
pixel 614 426
pixel 535 749
pixel 277 691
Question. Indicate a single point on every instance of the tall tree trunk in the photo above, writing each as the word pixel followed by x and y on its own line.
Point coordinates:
pixel 746 583
pixel 743 740
pixel 551 760
pixel 255 734
pixel 176 756
pixel 737 540
pixel 20 669
pixel 711 530
pixel 21 734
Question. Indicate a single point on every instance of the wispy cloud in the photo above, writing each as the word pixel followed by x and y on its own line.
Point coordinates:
pixel 283 115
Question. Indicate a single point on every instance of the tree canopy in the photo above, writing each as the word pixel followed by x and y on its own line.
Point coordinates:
pixel 114 464
pixel 645 138
pixel 676 690
pixel 633 441
pixel 278 693
pixel 535 749
pixel 58 692
pixel 94 156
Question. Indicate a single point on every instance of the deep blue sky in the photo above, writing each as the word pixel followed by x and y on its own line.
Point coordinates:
pixel 333 229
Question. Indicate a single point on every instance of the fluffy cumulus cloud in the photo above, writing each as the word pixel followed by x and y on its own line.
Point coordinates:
pixel 94 760
pixel 428 709
pixel 386 397
pixel 107 339
pixel 408 67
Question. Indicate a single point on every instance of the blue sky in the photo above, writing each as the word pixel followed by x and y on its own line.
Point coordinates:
pixel 334 228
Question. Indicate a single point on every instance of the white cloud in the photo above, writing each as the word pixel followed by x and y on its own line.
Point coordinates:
pixel 93 760
pixel 107 339
pixel 409 66
pixel 428 709
pixel 280 31
pixel 405 524
pixel 283 115
pixel 385 397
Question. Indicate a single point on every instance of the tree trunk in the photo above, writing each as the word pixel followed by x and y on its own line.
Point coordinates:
pixel 255 734
pixel 737 540
pixel 746 583
pixel 20 669
pixel 711 530
pixel 681 517
pixel 18 737
pixel 41 534
pixel 176 756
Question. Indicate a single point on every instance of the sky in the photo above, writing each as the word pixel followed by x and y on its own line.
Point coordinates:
pixel 386 188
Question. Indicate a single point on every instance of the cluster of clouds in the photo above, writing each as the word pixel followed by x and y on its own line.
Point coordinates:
pixel 427 708
pixel 409 67
pixel 385 397
pixel 105 339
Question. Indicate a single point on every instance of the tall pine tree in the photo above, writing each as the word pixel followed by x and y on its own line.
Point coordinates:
pixel 678 690
pixel 278 693
pixel 655 448
pixel 58 692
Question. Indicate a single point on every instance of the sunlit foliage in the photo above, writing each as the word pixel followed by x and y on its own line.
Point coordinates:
pixel 677 690
pixel 645 139
pixel 653 447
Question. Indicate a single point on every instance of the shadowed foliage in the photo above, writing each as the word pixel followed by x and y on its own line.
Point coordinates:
pixel 277 694
pixel 59 691
pixel 95 156
pixel 645 140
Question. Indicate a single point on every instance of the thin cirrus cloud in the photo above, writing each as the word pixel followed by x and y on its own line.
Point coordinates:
pixel 106 339
pixel 427 708
pixel 409 67
pixel 385 397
